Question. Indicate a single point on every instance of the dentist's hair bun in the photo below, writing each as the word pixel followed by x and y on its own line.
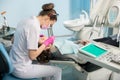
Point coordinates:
pixel 47 7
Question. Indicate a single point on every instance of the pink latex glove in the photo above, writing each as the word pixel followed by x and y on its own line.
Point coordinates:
pixel 49 41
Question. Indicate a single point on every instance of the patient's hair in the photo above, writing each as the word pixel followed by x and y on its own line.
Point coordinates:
pixel 45 56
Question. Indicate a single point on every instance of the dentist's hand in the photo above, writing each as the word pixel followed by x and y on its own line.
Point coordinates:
pixel 49 41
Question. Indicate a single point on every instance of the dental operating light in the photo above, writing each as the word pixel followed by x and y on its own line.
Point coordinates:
pixel 114 14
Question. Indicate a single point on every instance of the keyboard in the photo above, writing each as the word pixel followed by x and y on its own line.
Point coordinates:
pixel 116 59
pixel 110 57
pixel 106 57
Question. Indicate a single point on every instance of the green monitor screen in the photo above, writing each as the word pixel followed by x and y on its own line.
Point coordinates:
pixel 93 50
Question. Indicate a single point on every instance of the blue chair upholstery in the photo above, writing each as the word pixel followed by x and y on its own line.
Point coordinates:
pixel 6 66
pixel 11 77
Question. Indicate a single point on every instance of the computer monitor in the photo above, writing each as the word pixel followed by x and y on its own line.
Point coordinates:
pixel 93 50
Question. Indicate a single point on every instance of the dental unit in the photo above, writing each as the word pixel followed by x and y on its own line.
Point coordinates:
pixel 98 17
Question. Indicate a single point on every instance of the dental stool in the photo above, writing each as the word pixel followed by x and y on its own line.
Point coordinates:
pixel 6 67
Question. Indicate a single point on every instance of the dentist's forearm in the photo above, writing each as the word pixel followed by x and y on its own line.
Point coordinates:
pixel 34 53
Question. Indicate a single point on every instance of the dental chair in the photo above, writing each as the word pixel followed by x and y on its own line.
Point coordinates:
pixel 6 67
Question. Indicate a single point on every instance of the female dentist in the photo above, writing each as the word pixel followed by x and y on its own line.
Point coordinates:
pixel 25 46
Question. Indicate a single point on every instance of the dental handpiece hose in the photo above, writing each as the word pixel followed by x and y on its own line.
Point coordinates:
pixel 50 32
